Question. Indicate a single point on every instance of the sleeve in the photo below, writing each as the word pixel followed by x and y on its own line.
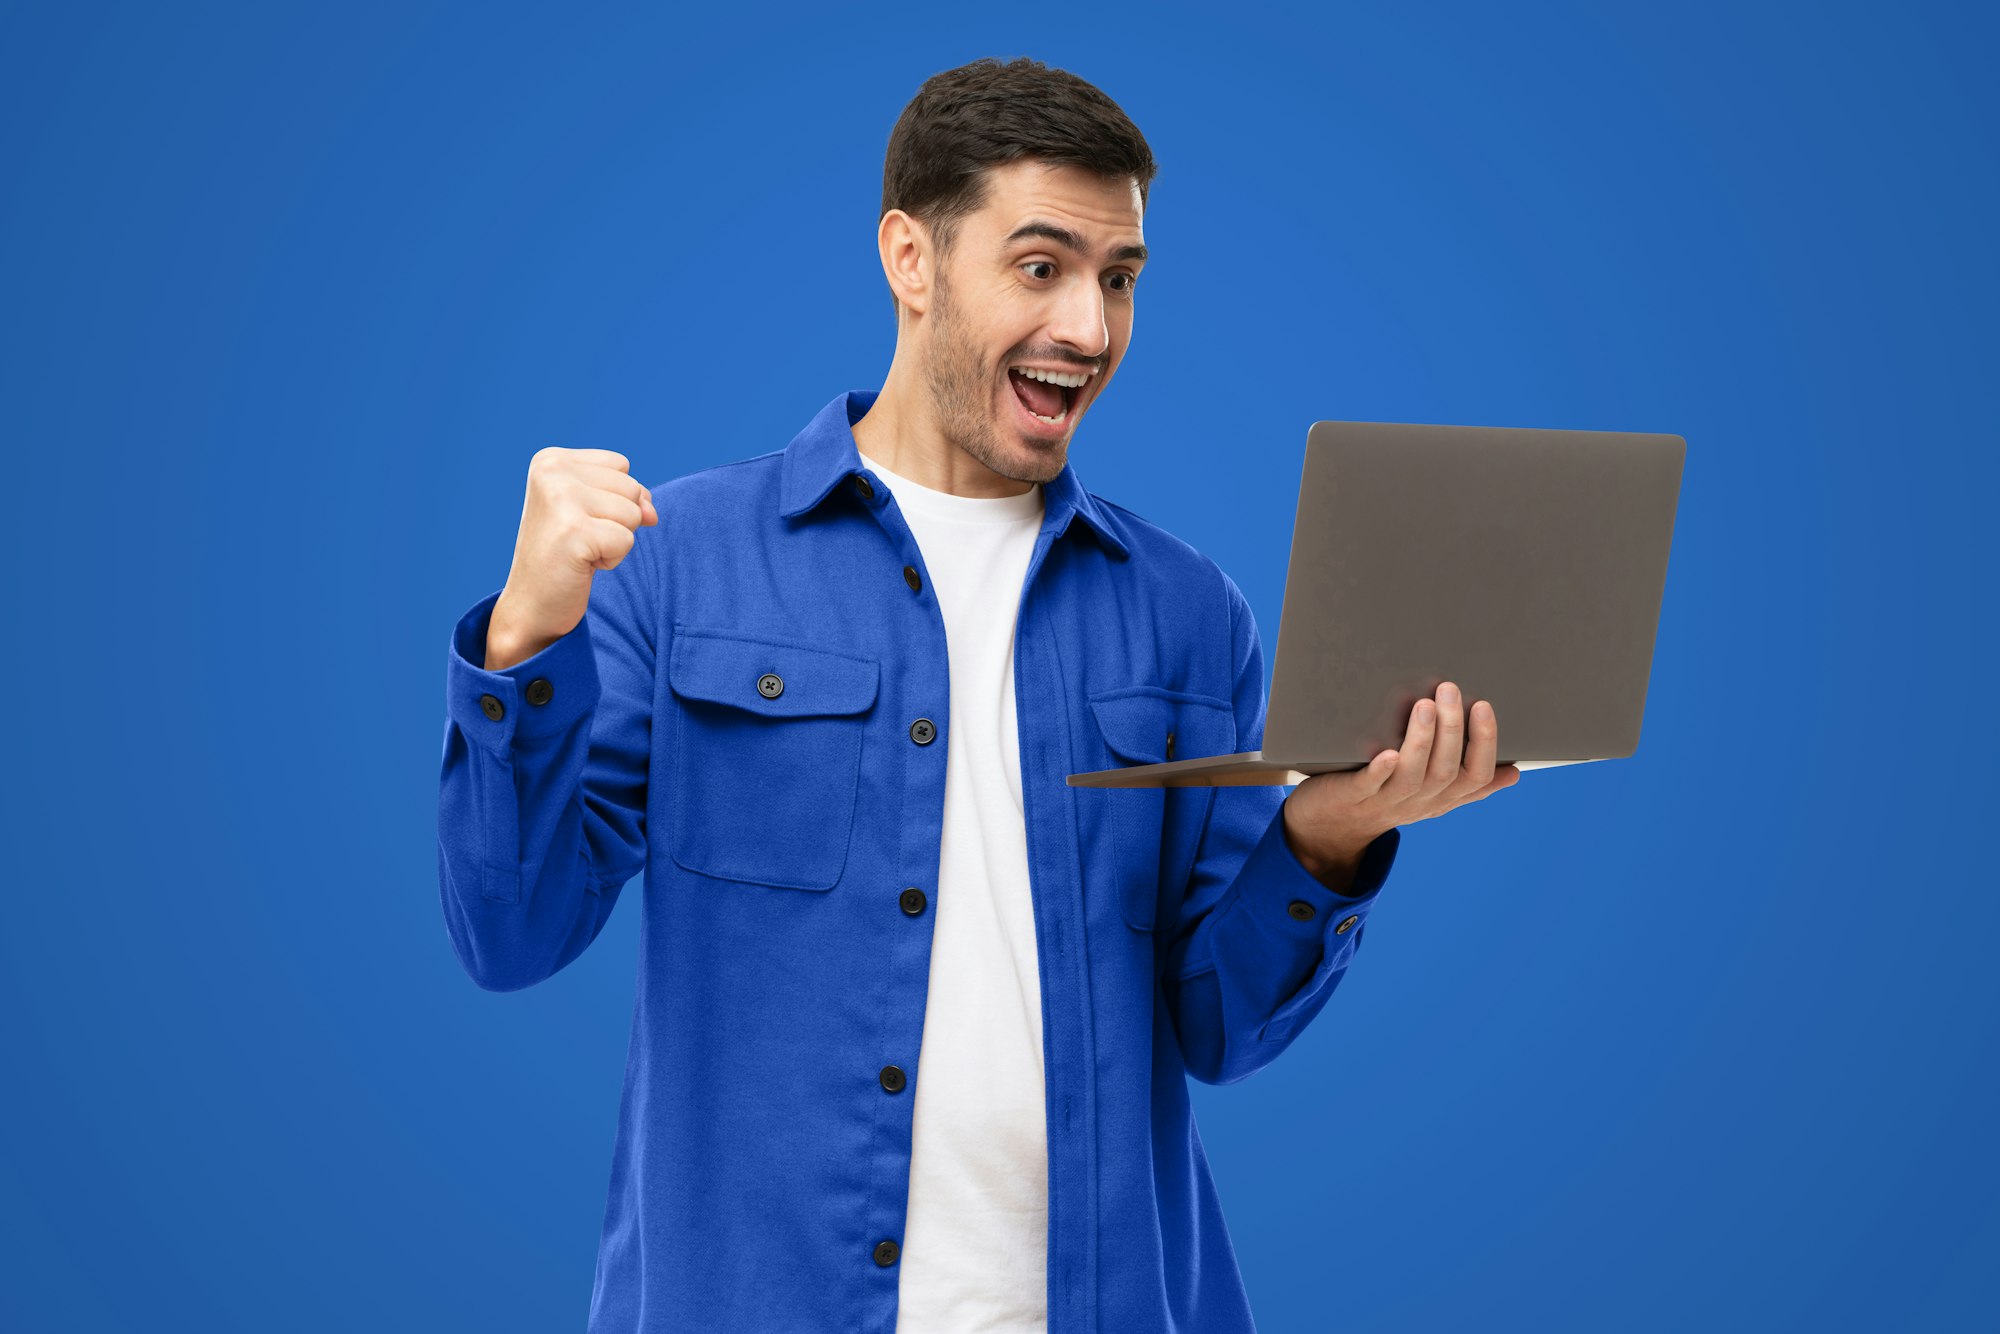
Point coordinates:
pixel 1260 943
pixel 542 795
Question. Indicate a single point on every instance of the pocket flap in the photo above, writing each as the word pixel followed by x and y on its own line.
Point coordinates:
pixel 728 669
pixel 1136 723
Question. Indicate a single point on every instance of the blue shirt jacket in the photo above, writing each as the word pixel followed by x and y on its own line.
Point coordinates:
pixel 753 712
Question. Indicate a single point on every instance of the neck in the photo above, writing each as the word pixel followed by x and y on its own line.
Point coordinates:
pixel 900 430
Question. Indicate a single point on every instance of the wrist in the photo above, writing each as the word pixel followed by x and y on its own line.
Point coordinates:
pixel 1333 862
pixel 506 643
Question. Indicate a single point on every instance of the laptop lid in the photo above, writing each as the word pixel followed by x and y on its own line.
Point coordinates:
pixel 1526 565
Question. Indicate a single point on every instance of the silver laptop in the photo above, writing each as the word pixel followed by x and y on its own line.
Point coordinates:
pixel 1525 566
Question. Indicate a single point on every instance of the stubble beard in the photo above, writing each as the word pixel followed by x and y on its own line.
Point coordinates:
pixel 961 398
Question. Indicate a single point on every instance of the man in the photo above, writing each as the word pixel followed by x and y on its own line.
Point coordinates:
pixel 915 1016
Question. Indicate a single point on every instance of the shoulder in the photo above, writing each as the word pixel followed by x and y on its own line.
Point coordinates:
pixel 709 509
pixel 1170 560
pixel 739 481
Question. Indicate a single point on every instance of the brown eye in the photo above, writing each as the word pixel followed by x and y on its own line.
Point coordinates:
pixel 1038 264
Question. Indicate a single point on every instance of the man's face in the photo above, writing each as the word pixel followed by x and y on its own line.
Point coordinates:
pixel 1017 291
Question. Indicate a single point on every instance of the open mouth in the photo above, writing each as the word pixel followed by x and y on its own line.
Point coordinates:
pixel 1045 403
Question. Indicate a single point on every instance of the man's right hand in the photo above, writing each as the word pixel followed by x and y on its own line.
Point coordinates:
pixel 582 511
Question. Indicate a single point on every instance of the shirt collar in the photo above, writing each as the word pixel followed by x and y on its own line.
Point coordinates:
pixel 823 455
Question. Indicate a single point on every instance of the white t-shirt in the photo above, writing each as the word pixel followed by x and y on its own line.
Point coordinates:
pixel 975 1244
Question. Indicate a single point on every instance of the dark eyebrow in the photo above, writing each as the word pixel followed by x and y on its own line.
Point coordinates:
pixel 1067 239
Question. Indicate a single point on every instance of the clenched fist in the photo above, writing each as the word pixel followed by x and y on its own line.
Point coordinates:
pixel 582 511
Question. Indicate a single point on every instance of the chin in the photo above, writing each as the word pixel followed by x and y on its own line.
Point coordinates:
pixel 1044 461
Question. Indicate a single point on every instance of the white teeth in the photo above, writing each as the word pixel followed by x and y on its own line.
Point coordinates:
pixel 1053 377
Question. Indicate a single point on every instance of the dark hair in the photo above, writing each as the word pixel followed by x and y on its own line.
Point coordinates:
pixel 986 114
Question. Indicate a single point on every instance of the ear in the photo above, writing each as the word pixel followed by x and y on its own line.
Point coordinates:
pixel 905 244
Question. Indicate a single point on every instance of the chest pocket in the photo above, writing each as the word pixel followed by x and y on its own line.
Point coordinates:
pixel 1154 830
pixel 767 757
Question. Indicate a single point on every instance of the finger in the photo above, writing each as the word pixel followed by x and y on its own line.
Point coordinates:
pixel 608 494
pixel 1442 771
pixel 602 504
pixel 613 479
pixel 1484 748
pixel 1505 776
pixel 607 458
pixel 1367 782
pixel 1416 751
pixel 643 494
pixel 605 543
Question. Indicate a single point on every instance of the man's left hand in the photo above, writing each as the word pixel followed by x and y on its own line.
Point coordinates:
pixel 1330 819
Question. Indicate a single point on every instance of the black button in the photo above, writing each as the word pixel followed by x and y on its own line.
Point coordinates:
pixel 770 685
pixel 540 691
pixel 913 579
pixel 885 1253
pixel 913 901
pixel 923 731
pixel 892 1078
pixel 494 708
pixel 1170 745
pixel 866 491
pixel 1302 910
pixel 1351 919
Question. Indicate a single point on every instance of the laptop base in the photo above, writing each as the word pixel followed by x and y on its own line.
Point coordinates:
pixel 1243 768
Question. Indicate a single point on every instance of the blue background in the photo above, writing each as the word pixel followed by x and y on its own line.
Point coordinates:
pixel 1700 1039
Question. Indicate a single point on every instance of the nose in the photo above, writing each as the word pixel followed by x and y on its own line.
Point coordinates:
pixel 1079 319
